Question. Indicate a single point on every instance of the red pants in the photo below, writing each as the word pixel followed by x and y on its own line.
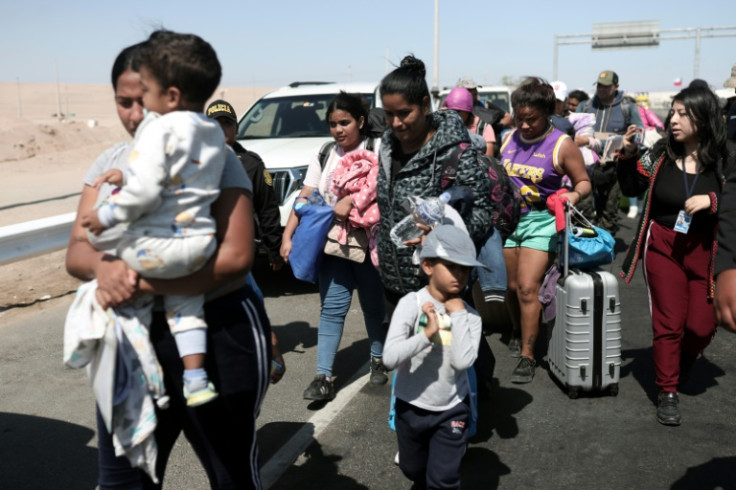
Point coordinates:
pixel 683 322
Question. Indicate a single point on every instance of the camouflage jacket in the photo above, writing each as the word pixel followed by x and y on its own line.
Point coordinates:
pixel 421 177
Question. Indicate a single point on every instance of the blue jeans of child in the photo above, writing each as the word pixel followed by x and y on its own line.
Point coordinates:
pixel 338 278
pixel 494 282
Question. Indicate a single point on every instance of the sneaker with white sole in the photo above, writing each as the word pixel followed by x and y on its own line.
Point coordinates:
pixel 200 397
pixel 320 389
pixel 633 212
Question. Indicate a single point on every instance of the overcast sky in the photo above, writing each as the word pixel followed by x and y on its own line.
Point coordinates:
pixel 272 43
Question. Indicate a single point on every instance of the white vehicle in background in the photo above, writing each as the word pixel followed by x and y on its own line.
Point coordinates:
pixel 498 95
pixel 287 128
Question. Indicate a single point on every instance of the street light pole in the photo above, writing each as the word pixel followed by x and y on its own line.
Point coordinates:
pixel 436 71
pixel 554 61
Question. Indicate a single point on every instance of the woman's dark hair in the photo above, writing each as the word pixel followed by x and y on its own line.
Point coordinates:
pixel 701 105
pixel 537 93
pixel 353 104
pixel 578 95
pixel 699 83
pixel 128 59
pixel 408 80
pixel 184 61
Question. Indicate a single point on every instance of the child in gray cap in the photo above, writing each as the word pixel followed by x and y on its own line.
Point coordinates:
pixel 432 341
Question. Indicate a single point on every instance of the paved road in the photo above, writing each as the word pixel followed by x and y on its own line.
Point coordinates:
pixel 530 436
pixel 534 436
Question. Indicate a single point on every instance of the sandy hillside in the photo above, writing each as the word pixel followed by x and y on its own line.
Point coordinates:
pixel 43 159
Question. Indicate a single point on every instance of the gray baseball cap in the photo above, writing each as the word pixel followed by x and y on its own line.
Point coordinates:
pixel 452 244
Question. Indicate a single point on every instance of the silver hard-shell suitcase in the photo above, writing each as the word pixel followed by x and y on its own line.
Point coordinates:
pixel 584 351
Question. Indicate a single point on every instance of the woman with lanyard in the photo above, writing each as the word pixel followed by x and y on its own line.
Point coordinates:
pixel 684 174
pixel 347 119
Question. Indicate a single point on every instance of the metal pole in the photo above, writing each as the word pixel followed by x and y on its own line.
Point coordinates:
pixel 554 61
pixel 59 116
pixel 20 107
pixel 696 69
pixel 436 71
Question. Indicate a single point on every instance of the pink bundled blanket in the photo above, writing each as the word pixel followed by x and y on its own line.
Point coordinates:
pixel 356 175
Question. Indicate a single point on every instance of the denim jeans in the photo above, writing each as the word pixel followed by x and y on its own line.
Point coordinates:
pixel 337 279
pixel 493 282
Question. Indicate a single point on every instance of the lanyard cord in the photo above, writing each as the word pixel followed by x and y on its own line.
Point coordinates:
pixel 689 189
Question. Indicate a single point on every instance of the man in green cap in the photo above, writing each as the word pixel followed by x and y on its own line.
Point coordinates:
pixel 613 114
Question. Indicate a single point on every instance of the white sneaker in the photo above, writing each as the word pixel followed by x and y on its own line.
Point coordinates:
pixel 396 458
pixel 633 212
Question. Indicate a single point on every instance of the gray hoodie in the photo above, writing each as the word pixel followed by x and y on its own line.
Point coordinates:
pixel 431 376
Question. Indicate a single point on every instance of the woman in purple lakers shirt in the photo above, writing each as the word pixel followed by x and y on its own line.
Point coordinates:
pixel 536 156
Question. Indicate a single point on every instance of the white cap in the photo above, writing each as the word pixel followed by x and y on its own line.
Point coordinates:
pixel 560 89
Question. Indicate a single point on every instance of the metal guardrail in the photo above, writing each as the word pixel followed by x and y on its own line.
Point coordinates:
pixel 37 237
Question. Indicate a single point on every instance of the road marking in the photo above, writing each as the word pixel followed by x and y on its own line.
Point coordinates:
pixel 311 430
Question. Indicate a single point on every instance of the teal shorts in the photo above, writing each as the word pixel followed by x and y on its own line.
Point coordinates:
pixel 536 230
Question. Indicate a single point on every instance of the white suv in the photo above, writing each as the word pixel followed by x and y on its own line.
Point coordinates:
pixel 287 128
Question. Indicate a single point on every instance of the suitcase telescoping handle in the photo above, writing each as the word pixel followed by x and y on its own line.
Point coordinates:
pixel 565 250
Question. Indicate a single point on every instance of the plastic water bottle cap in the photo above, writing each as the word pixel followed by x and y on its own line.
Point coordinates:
pixel 445 197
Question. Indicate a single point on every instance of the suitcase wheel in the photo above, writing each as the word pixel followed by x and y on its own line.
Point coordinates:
pixel 573 393
pixel 613 389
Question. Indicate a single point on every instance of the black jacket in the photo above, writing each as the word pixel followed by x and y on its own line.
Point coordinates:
pixel 726 236
pixel 265 203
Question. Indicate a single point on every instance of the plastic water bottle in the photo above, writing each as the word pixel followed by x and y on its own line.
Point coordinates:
pixel 427 212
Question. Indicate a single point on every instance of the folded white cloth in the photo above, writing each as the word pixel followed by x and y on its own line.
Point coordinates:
pixel 120 359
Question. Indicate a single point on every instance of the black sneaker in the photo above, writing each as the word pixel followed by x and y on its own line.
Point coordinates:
pixel 378 372
pixel 668 410
pixel 320 389
pixel 514 346
pixel 524 372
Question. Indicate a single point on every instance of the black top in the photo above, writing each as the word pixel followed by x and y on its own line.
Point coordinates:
pixel 670 196
pixel 399 159
pixel 265 202
pixel 563 124
pixel 731 122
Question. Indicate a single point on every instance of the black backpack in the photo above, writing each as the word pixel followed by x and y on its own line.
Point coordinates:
pixel 504 193
pixel 491 115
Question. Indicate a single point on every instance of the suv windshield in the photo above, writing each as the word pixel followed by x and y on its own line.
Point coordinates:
pixel 500 99
pixel 289 117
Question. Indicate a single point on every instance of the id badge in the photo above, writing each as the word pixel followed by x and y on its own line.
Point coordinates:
pixel 683 222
